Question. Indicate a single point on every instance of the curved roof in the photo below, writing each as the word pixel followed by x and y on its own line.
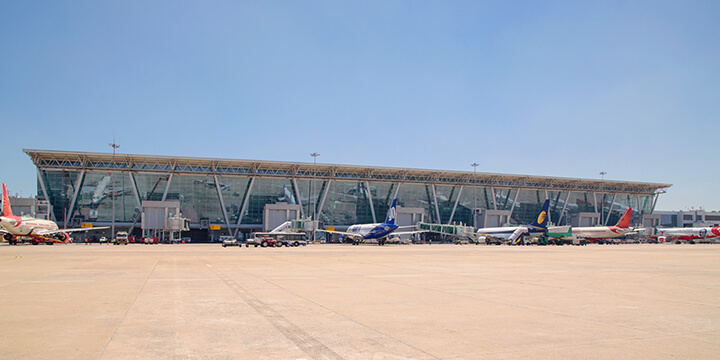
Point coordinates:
pixel 49 159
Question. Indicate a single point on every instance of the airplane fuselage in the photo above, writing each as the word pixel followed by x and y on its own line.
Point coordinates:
pixel 25 226
pixel 599 232
pixel 689 233
pixel 372 231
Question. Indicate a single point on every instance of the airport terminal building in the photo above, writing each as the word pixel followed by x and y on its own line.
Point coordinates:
pixel 234 197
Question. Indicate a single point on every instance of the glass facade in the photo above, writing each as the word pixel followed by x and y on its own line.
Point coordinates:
pixel 345 202
pixel 236 196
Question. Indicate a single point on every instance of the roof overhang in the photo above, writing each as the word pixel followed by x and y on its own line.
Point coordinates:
pixel 49 159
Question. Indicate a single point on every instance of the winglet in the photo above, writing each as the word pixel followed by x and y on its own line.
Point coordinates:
pixel 391 213
pixel 624 221
pixel 542 219
pixel 7 212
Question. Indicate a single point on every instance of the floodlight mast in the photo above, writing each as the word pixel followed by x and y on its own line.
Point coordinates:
pixel 602 197
pixel 314 155
pixel 474 165
pixel 112 189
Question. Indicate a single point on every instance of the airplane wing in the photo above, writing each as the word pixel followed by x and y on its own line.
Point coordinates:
pixel 490 235
pixel 408 232
pixel 637 231
pixel 339 233
pixel 73 230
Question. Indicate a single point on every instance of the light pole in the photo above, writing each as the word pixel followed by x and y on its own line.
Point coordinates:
pixel 474 165
pixel 602 193
pixel 312 195
pixel 112 189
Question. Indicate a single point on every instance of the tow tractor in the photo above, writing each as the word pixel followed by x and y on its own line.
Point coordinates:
pixel 263 241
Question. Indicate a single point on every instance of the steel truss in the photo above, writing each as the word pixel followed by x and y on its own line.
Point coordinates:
pixel 46 159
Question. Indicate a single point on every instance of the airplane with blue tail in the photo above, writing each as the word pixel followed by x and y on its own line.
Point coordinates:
pixel 515 233
pixel 363 232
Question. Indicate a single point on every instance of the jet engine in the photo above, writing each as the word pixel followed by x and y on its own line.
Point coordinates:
pixel 63 236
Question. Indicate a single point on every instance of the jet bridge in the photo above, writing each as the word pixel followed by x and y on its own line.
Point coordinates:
pixel 163 219
pixel 460 231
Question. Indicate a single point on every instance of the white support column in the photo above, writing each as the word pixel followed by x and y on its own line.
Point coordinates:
pixel 167 186
pixel 512 207
pixel 549 213
pixel 639 208
pixel 397 190
pixel 562 212
pixel 324 196
pixel 296 190
pixel 43 187
pixel 652 210
pixel 135 191
pixel 607 218
pixel 437 208
pixel 370 199
pixel 595 198
pixel 78 184
pixel 457 200
pixel 136 194
pixel 494 199
pixel 244 205
pixel 222 202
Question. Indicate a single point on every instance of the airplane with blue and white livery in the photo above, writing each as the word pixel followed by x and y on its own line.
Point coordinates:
pixel 363 232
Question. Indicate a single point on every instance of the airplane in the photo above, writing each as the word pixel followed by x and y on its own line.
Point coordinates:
pixel 594 233
pixel 687 234
pixel 363 232
pixel 211 184
pixel 513 233
pixel 27 227
pixel 287 196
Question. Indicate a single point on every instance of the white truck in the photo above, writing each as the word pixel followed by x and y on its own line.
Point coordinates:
pixel 228 241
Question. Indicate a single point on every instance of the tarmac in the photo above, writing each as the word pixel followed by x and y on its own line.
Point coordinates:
pixel 203 301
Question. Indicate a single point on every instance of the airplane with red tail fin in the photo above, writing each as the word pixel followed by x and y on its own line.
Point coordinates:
pixel 14 228
pixel 594 233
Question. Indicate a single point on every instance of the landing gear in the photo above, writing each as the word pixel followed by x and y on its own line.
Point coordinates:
pixel 10 239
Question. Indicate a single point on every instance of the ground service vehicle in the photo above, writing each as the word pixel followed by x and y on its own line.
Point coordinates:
pixel 121 238
pixel 230 242
pixel 150 240
pixel 289 243
pixel 264 241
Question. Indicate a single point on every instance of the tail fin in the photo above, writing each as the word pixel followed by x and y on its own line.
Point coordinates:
pixel 7 212
pixel 391 213
pixel 624 221
pixel 542 219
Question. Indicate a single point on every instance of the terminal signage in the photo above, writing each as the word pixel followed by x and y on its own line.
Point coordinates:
pixel 214 227
pixel 86 225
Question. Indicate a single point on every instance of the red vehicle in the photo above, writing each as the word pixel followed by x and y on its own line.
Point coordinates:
pixel 150 240
pixel 264 241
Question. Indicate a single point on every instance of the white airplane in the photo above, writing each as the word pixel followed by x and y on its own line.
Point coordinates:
pixel 687 234
pixel 28 227
pixel 363 232
pixel 287 196
pixel 594 233
pixel 512 233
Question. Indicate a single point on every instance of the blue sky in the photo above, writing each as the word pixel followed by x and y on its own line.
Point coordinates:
pixel 556 88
